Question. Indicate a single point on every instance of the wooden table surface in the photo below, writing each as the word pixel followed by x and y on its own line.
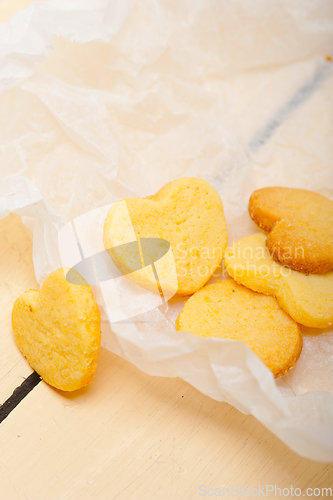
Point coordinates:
pixel 128 435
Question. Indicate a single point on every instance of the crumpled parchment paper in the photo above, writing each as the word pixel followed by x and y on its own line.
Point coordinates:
pixel 107 99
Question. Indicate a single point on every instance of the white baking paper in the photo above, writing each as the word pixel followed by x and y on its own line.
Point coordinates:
pixel 107 99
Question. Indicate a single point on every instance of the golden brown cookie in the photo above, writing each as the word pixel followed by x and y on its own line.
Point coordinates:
pixel 186 213
pixel 58 330
pixel 231 311
pixel 307 299
pixel 300 227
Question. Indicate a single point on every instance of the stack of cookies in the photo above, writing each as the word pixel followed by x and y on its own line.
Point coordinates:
pixel 276 281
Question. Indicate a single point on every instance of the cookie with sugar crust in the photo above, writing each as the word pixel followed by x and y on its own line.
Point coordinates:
pixel 188 215
pixel 308 299
pixel 299 224
pixel 228 310
pixel 57 329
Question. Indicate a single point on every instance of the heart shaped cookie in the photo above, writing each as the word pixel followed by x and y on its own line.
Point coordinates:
pixel 231 311
pixel 307 299
pixel 188 215
pixel 300 227
pixel 58 330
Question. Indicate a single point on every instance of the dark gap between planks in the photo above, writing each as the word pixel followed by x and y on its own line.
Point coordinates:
pixel 19 394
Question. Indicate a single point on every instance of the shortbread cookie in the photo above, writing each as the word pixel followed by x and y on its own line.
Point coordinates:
pixel 300 227
pixel 231 311
pixel 58 330
pixel 308 299
pixel 188 214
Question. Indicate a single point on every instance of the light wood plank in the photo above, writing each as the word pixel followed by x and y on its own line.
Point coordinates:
pixel 132 436
pixel 16 276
